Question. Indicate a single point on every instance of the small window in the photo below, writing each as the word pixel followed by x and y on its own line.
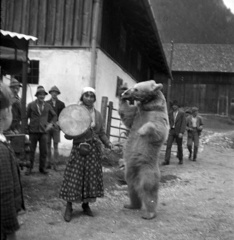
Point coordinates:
pixel 33 73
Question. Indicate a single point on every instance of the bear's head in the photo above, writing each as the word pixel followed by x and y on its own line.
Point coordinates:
pixel 148 96
pixel 143 92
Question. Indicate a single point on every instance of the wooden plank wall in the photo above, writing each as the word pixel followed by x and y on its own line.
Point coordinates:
pixel 203 90
pixel 53 22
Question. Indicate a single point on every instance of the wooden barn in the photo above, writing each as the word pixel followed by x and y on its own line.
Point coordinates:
pixel 97 43
pixel 203 76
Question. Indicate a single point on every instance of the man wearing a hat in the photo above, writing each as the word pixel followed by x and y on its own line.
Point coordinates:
pixel 38 113
pixel 54 133
pixel 16 106
pixel 194 126
pixel 10 188
pixel 177 122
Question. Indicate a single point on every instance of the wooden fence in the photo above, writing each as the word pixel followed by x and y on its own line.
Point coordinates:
pixel 112 122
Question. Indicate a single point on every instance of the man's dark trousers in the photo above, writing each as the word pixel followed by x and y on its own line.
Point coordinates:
pixel 42 139
pixel 173 136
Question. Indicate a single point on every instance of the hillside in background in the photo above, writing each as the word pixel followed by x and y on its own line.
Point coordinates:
pixel 194 21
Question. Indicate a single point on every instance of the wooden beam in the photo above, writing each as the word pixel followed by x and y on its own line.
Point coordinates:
pixel 59 23
pixel 3 13
pixel 17 16
pixel 87 20
pixel 68 26
pixel 25 17
pixel 50 22
pixel 42 21
pixel 77 25
pixel 10 10
pixel 33 24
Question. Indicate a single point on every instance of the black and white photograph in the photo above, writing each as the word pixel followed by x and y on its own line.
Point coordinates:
pixel 117 119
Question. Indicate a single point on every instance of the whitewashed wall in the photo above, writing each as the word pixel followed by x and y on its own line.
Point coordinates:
pixel 69 70
pixel 107 72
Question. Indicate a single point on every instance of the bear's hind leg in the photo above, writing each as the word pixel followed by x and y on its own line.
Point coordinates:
pixel 150 208
pixel 135 201
pixel 149 200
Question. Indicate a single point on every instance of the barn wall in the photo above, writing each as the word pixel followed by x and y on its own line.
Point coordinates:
pixel 211 92
pixel 54 22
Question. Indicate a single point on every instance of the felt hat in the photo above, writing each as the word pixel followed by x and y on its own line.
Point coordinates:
pixel 40 89
pixel 175 103
pixel 54 89
pixel 15 83
pixel 5 96
pixel 194 109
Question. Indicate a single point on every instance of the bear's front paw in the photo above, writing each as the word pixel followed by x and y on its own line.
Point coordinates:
pixel 146 129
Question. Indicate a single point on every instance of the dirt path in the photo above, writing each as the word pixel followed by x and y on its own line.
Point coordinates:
pixel 197 203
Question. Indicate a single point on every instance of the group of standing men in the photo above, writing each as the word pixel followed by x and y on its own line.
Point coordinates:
pixel 42 128
pixel 179 123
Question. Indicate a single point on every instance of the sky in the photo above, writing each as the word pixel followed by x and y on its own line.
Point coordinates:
pixel 229 4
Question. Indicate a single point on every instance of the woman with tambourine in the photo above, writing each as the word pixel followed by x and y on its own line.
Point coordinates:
pixel 83 179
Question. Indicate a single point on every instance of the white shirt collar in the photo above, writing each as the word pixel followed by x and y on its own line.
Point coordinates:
pixel 2 138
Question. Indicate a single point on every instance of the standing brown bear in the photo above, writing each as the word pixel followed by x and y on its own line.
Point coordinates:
pixel 148 125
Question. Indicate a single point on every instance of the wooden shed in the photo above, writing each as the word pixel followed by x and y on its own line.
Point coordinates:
pixel 203 76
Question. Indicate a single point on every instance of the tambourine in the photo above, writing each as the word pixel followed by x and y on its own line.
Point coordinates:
pixel 74 120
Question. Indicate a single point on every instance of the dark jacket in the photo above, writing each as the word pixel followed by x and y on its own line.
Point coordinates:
pixel 10 188
pixel 180 122
pixel 98 132
pixel 16 114
pixel 39 122
pixel 59 106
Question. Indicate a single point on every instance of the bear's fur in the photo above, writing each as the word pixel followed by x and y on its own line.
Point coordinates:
pixel 148 125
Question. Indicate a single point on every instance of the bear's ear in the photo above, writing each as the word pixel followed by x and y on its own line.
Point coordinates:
pixel 157 86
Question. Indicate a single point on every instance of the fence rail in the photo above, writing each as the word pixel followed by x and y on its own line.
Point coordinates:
pixel 108 110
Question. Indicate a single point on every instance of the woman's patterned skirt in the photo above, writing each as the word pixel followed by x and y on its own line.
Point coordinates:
pixel 83 178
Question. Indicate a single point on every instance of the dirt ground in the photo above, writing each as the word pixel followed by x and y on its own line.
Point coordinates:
pixel 196 200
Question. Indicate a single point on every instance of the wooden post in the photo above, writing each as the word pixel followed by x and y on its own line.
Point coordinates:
pixel 24 94
pixel 169 79
pixel 108 126
pixel 104 109
pixel 96 10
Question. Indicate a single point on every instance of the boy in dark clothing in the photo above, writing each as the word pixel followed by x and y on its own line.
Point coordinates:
pixel 194 126
pixel 54 132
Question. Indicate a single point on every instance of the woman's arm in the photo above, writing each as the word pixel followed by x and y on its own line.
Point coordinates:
pixel 99 129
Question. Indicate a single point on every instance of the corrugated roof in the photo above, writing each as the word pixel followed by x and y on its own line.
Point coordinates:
pixel 18 35
pixel 201 57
